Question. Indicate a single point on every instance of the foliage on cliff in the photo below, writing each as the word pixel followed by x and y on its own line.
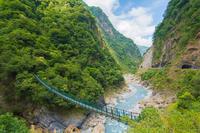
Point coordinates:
pixel 172 120
pixel 123 49
pixel 174 79
pixel 59 41
pixel 172 39
pixel 179 28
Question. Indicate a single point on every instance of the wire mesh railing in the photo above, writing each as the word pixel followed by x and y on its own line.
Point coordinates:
pixel 106 110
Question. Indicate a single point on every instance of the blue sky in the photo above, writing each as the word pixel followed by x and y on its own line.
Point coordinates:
pixel 135 19
pixel 158 7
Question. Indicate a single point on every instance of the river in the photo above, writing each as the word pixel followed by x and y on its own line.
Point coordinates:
pixel 127 101
pixel 133 97
pixel 127 98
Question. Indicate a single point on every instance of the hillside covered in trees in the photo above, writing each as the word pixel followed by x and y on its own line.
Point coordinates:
pixel 59 41
pixel 143 49
pixel 123 49
pixel 176 58
pixel 176 39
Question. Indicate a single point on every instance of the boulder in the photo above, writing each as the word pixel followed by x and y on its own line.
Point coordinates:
pixel 72 129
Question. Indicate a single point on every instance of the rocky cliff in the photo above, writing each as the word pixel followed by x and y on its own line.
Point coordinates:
pixel 147 59
pixel 176 40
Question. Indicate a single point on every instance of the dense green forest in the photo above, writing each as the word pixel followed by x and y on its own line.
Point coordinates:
pixel 123 49
pixel 59 41
pixel 11 124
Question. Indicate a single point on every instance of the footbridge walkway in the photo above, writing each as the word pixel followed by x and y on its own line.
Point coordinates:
pixel 109 111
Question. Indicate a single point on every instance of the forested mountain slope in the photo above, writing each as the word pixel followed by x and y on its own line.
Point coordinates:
pixel 123 49
pixel 176 47
pixel 143 49
pixel 59 41
pixel 177 38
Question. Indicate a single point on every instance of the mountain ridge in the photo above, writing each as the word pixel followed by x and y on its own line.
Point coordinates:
pixel 143 49
pixel 123 49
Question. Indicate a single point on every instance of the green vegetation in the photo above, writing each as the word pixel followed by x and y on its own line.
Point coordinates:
pixel 143 49
pixel 153 73
pixel 158 78
pixel 185 100
pixel 59 41
pixel 174 79
pixel 179 117
pixel 180 25
pixel 177 31
pixel 123 49
pixel 172 120
pixel 11 124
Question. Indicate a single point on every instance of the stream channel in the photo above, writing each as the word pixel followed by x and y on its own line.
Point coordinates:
pixel 128 101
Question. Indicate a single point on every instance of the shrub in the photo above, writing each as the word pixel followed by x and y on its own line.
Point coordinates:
pixel 148 75
pixel 11 124
pixel 185 101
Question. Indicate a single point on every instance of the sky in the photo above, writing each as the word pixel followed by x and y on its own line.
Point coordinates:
pixel 136 19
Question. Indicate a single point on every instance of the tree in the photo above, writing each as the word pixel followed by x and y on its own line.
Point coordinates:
pixel 196 86
pixel 11 124
pixel 185 100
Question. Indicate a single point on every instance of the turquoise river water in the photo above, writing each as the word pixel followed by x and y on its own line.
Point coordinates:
pixel 138 93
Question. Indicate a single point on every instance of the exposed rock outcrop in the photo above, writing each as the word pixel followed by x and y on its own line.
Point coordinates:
pixel 95 124
pixel 72 129
pixel 50 120
pixel 158 100
pixel 176 39
pixel 191 58
pixel 147 59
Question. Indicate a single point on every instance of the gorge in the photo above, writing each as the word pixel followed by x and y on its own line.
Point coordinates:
pixel 80 52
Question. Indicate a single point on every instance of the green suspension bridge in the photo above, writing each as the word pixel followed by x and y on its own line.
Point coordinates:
pixel 106 110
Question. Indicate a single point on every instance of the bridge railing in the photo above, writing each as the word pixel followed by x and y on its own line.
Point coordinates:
pixel 54 89
pixel 106 110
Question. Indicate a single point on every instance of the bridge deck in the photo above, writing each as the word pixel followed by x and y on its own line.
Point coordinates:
pixel 106 110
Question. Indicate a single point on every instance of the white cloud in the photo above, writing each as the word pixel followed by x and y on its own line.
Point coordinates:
pixel 106 5
pixel 136 24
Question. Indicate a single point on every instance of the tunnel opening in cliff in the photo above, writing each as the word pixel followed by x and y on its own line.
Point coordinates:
pixel 186 66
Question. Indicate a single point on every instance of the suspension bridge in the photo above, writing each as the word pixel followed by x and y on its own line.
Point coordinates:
pixel 109 111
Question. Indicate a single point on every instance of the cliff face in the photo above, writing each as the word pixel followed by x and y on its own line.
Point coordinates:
pixel 123 49
pixel 191 57
pixel 147 59
pixel 176 40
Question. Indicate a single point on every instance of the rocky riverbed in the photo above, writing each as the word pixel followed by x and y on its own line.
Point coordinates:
pixel 158 99
pixel 161 99
pixel 95 123
pixel 52 120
